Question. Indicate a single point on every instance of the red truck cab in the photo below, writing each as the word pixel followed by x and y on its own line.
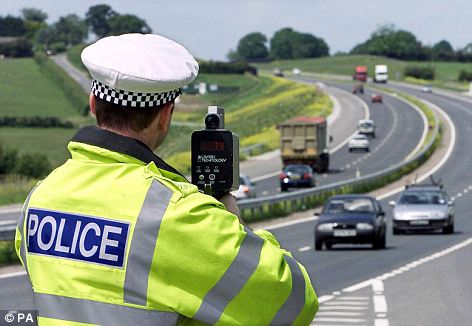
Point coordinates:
pixel 360 74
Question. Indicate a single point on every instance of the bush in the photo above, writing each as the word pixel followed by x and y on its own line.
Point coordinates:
pixel 17 48
pixel 8 253
pixel 217 67
pixel 58 47
pixel 36 121
pixel 71 88
pixel 465 76
pixel 8 158
pixel 420 72
pixel 33 165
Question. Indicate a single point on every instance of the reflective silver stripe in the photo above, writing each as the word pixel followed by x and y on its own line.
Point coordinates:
pixel 296 300
pixel 99 313
pixel 144 242
pixel 235 277
pixel 21 225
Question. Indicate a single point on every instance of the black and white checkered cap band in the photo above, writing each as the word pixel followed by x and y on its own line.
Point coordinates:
pixel 132 99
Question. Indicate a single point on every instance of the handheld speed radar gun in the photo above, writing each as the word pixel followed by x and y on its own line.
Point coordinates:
pixel 215 156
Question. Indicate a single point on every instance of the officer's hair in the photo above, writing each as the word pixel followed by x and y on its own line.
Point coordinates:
pixel 115 116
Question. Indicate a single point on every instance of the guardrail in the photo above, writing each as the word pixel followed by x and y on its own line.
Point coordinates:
pixel 248 150
pixel 283 204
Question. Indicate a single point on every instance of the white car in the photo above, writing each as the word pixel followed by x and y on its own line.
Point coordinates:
pixel 366 127
pixel 359 141
pixel 427 89
pixel 246 188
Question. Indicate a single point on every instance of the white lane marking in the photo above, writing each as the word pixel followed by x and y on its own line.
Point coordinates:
pixel 15 274
pixel 444 158
pixel 377 285
pixel 344 308
pixel 341 320
pixel 381 315
pixel 302 249
pixel 325 298
pixel 357 286
pixel 336 293
pixel 470 187
pixel 339 313
pixel 284 224
pixel 465 191
pixel 265 176
pixel 381 322
pixel 347 303
pixel 366 116
pixel 380 304
pixel 409 266
pixel 425 126
pixel 336 110
pixel 459 195
pixel 354 298
pixel 8 222
pixel 453 198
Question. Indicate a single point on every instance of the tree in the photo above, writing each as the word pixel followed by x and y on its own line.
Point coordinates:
pixel 70 29
pixel 443 51
pixel 97 18
pixel 12 26
pixel 121 24
pixel 34 20
pixel 289 44
pixel 308 46
pixel 389 42
pixel 252 47
pixel 281 45
pixel 34 14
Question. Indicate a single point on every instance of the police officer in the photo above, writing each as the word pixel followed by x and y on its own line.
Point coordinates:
pixel 116 236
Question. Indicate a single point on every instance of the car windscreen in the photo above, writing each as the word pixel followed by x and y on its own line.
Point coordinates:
pixel 242 181
pixel 366 125
pixel 299 169
pixel 422 197
pixel 349 205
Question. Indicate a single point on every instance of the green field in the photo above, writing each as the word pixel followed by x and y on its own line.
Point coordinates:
pixel 25 91
pixel 446 72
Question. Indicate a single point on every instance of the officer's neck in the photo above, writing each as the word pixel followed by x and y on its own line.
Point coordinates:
pixel 147 137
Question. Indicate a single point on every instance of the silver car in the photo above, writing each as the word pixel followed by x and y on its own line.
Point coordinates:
pixel 359 141
pixel 246 188
pixel 426 208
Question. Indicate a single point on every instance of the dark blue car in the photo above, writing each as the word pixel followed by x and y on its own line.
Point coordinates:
pixel 351 219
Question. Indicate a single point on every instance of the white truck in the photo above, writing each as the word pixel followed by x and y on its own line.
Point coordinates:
pixel 381 74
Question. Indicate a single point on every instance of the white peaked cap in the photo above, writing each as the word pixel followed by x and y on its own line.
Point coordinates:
pixel 138 70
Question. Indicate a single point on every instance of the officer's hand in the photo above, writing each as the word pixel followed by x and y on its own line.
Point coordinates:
pixel 231 204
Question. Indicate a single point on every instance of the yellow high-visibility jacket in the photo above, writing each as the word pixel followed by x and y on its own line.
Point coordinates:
pixel 115 236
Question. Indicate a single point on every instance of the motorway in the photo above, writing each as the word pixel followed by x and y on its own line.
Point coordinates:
pixel 420 279
pixel 415 297
pixel 394 119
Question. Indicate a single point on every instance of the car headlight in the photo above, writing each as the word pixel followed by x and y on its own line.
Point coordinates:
pixel 364 226
pixel 397 215
pixel 438 215
pixel 325 227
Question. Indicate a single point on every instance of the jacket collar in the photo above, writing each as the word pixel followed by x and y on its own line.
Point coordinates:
pixel 96 136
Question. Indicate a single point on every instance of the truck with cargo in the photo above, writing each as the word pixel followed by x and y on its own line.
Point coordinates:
pixel 381 74
pixel 305 140
pixel 360 74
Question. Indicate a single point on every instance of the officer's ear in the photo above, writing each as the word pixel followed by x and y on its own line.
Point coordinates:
pixel 92 104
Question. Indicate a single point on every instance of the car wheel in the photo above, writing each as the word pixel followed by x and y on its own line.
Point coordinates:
pixel 373 135
pixel 283 188
pixel 318 245
pixel 367 149
pixel 448 229
pixel 350 149
pixel 328 245
pixel 396 231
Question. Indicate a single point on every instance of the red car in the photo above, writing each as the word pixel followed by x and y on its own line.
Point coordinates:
pixel 376 98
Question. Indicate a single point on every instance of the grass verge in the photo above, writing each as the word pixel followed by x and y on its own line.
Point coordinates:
pixel 447 73
pixel 8 253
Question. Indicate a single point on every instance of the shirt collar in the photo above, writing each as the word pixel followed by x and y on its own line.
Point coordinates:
pixel 109 140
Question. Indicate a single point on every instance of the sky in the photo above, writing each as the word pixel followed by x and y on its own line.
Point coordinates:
pixel 210 28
